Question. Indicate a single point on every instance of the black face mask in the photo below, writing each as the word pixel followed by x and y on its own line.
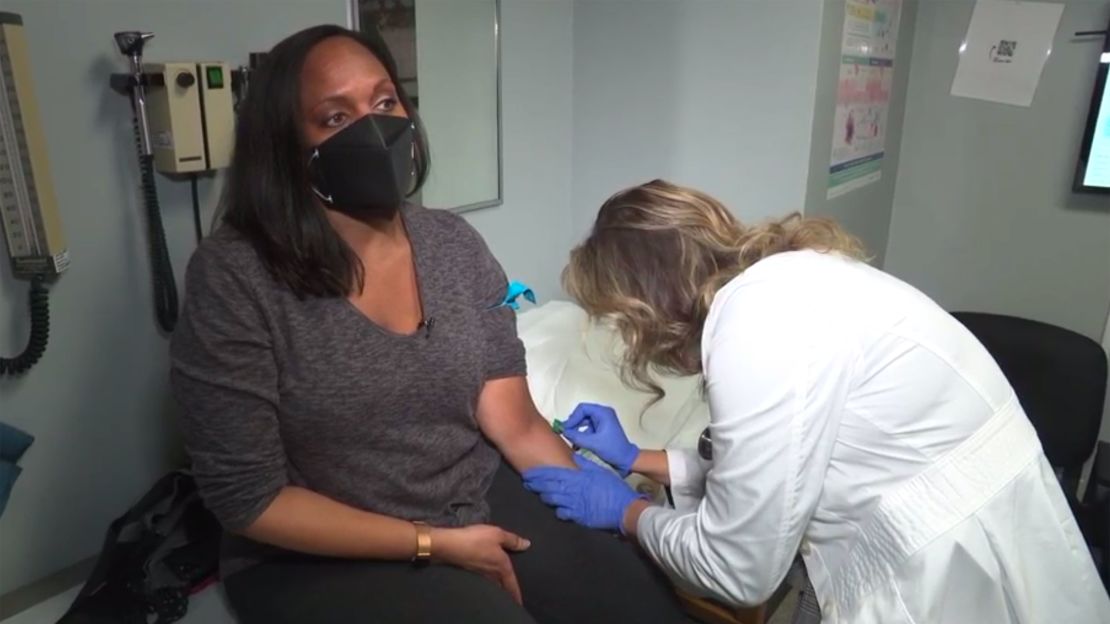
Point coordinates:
pixel 365 169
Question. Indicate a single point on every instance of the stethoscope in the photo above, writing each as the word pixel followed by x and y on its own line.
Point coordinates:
pixel 705 451
pixel 705 445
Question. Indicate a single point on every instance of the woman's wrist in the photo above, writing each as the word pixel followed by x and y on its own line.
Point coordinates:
pixel 423 542
pixel 440 538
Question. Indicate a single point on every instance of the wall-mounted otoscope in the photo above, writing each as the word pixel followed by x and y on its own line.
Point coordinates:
pixel 184 118
pixel 130 44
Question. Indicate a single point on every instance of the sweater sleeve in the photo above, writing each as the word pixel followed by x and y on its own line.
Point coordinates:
pixel 503 352
pixel 225 378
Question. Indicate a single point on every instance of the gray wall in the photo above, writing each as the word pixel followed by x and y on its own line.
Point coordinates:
pixel 866 212
pixel 530 234
pixel 983 214
pixel 1104 434
pixel 715 94
pixel 98 401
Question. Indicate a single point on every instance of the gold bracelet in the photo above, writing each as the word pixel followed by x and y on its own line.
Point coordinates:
pixel 423 542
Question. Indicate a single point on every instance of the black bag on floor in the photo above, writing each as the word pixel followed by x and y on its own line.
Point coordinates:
pixel 154 557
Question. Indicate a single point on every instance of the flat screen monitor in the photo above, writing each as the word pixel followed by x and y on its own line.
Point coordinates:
pixel 1093 173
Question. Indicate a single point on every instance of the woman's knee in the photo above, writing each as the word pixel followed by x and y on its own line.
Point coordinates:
pixel 341 591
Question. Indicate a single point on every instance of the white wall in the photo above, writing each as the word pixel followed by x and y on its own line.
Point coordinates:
pixel 530 234
pixel 984 218
pixel 715 94
pixel 98 402
pixel 866 212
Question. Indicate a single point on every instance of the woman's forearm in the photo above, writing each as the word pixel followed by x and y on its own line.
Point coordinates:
pixel 304 521
pixel 653 465
pixel 536 445
pixel 509 418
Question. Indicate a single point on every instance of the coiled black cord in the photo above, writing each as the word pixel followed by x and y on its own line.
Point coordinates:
pixel 197 227
pixel 161 269
pixel 40 330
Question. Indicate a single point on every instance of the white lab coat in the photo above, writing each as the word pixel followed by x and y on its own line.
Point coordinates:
pixel 855 421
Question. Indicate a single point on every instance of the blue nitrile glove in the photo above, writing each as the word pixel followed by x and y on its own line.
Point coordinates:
pixel 597 429
pixel 514 291
pixel 592 496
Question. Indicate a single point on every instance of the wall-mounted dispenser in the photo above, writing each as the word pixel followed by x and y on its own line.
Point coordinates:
pixel 189 108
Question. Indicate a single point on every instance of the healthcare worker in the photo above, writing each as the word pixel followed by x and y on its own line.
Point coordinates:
pixel 851 420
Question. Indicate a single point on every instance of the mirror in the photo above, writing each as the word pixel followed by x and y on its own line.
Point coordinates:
pixel 448 54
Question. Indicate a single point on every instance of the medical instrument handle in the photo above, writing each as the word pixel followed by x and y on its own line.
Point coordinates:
pixel 131 44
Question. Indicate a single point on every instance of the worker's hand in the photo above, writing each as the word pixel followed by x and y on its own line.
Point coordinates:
pixel 592 496
pixel 597 429
pixel 481 548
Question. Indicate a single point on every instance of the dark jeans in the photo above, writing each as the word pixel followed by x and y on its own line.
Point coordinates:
pixel 570 575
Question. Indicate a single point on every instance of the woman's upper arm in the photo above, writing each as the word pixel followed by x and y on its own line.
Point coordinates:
pixel 776 386
pixel 224 376
pixel 502 350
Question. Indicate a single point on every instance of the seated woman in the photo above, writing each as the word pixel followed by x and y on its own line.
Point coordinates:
pixel 350 384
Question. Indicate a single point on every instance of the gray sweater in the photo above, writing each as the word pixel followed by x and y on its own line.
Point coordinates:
pixel 277 390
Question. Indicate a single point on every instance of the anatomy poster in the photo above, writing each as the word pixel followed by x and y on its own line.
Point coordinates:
pixel 863 93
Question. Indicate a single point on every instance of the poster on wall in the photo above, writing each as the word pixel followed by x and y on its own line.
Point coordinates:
pixel 863 93
pixel 1004 52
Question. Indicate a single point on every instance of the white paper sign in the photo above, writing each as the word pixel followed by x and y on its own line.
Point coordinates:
pixel 1005 50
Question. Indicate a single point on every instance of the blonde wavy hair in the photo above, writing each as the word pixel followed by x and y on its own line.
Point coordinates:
pixel 657 256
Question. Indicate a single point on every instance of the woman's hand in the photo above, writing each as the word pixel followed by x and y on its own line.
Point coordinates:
pixel 481 548
pixel 593 496
pixel 597 429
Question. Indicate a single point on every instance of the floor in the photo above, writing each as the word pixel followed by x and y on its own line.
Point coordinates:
pixel 206 607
